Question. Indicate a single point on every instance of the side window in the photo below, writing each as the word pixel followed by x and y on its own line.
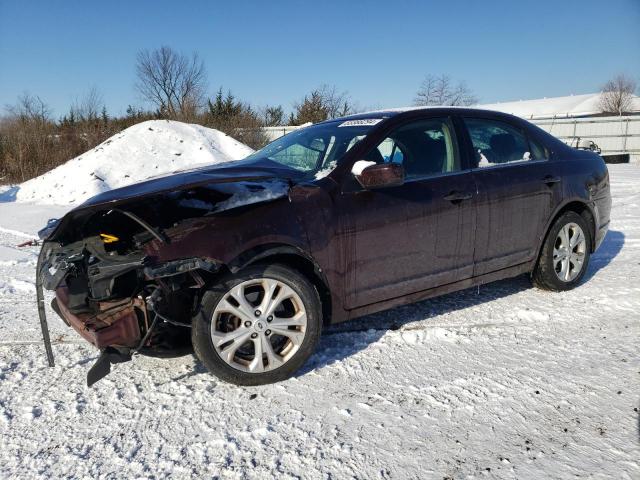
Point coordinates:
pixel 391 151
pixel 538 152
pixel 425 147
pixel 498 143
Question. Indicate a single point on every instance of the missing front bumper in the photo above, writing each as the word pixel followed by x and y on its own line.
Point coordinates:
pixel 118 324
pixel 119 321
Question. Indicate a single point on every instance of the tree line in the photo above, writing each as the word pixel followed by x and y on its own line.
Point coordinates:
pixel 174 86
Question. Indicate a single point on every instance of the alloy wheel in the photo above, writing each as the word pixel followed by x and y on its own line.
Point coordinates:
pixel 258 325
pixel 569 252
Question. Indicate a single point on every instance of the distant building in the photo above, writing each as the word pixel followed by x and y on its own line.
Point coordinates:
pixel 580 117
pixel 573 106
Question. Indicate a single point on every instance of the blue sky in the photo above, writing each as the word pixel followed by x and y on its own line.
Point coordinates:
pixel 271 52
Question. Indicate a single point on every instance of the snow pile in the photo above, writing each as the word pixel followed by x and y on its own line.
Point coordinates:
pixel 144 150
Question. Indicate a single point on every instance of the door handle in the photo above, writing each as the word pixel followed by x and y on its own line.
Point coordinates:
pixel 550 180
pixel 456 197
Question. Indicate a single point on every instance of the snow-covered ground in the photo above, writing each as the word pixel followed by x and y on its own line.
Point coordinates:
pixel 144 150
pixel 504 382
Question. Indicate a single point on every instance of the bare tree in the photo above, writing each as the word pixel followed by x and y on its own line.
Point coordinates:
pixel 30 108
pixel 338 104
pixel 89 107
pixel 617 95
pixel 323 103
pixel 173 82
pixel 441 90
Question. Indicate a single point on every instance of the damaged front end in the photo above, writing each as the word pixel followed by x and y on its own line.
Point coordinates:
pixel 114 299
pixel 109 284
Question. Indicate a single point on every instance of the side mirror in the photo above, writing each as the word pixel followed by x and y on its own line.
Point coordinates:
pixel 378 175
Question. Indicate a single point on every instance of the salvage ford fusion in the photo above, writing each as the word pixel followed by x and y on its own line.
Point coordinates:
pixel 247 261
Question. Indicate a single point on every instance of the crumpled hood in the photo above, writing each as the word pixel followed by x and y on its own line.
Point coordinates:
pixel 232 184
pixel 220 173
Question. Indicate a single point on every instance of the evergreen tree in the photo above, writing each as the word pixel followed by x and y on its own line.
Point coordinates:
pixel 273 116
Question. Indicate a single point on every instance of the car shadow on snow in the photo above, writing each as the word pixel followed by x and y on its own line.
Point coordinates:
pixel 609 249
pixel 338 341
pixel 336 344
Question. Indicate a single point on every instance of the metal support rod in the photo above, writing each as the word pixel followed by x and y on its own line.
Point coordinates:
pixel 147 335
pixel 626 135
pixel 41 311
pixel 156 234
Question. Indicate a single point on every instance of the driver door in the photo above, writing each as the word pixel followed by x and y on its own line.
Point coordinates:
pixel 416 236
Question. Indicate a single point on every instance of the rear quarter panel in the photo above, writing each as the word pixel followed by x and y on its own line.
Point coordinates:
pixel 586 179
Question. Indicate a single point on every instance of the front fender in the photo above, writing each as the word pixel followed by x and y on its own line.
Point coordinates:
pixel 225 237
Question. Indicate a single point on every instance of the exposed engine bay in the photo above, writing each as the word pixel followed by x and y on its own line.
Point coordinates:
pixel 109 292
pixel 110 286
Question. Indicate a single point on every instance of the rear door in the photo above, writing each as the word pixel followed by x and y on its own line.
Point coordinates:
pixel 517 190
pixel 416 236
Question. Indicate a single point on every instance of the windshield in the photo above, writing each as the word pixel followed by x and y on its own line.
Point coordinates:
pixel 318 148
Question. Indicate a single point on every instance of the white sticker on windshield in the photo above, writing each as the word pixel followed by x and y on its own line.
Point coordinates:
pixel 361 122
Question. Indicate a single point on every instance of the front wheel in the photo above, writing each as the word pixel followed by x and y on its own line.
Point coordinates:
pixel 258 326
pixel 565 254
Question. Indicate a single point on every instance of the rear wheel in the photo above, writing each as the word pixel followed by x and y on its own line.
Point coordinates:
pixel 258 326
pixel 565 254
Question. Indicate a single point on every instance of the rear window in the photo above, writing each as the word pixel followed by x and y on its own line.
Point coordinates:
pixel 498 143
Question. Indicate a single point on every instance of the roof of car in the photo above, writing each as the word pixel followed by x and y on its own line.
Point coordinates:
pixel 447 110
pixel 392 112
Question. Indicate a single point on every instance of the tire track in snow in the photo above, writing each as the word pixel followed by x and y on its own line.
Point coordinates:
pixel 17 233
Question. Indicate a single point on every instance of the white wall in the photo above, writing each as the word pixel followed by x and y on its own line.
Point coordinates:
pixel 614 135
pixel 277 132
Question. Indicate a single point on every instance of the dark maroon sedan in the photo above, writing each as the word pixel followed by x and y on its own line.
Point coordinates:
pixel 248 260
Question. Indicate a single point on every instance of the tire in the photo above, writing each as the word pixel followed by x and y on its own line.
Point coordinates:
pixel 550 272
pixel 221 317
